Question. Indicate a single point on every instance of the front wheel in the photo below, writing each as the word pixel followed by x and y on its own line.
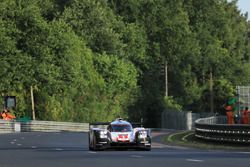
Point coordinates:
pixel 90 145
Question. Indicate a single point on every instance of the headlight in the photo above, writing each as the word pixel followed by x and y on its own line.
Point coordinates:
pixel 103 134
pixel 142 134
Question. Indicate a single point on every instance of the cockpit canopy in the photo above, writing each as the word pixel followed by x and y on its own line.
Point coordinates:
pixel 120 128
pixel 120 125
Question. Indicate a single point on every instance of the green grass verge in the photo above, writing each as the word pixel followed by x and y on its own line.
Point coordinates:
pixel 188 139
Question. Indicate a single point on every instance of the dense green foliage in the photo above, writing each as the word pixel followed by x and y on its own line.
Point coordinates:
pixel 95 60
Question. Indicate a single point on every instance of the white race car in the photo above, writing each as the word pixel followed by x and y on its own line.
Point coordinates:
pixel 118 134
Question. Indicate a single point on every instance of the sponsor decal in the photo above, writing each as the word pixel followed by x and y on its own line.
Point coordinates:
pixel 123 137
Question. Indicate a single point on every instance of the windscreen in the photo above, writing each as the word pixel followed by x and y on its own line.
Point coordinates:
pixel 121 128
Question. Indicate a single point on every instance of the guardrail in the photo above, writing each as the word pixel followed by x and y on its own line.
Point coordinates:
pixel 216 129
pixel 6 126
pixel 42 126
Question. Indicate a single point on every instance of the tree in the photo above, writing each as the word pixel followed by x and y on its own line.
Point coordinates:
pixel 94 60
pixel 48 56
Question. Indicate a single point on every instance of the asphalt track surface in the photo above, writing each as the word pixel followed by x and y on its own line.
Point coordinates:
pixel 71 150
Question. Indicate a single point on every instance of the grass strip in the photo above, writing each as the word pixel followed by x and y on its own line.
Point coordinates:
pixel 188 139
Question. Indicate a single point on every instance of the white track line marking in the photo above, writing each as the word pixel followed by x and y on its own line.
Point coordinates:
pixel 59 149
pixel 244 152
pixel 194 160
pixel 136 156
pixel 92 152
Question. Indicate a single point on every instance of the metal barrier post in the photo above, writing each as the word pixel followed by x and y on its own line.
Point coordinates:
pixel 17 126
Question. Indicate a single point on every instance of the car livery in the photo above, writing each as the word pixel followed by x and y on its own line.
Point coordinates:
pixel 118 134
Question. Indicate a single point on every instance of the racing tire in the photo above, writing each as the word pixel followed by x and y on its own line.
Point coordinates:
pixel 94 144
pixel 90 145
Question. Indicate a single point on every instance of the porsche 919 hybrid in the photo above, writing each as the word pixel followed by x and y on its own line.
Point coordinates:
pixel 118 134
